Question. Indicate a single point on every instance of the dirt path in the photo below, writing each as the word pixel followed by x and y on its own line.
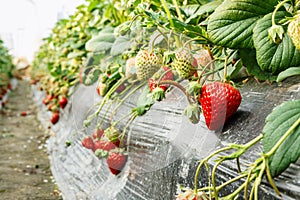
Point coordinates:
pixel 24 166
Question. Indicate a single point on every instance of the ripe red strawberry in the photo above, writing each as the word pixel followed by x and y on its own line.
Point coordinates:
pixel 102 88
pixel 219 101
pixel 88 142
pixel 152 82
pixel 121 88
pixel 104 145
pixel 55 117
pixel 23 113
pixel 97 134
pixel 116 160
pixel 63 102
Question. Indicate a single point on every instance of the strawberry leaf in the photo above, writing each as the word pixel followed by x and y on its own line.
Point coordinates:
pixel 277 124
pixel 249 60
pixel 272 57
pixel 232 23
pixel 144 103
pixel 293 71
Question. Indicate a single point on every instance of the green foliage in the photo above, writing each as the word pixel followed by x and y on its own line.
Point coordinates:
pixel 248 24
pixel 272 57
pixel 278 123
pixel 6 65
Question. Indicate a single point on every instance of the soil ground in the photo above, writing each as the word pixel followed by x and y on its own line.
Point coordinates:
pixel 24 165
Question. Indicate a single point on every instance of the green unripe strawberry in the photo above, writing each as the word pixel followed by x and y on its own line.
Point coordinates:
pixel 147 63
pixel 184 63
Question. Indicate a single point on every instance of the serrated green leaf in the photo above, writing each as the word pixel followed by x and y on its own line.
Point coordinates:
pixel 248 57
pixel 144 102
pixel 271 57
pixel 194 11
pixel 277 124
pixel 232 23
pixel 191 31
pixel 293 71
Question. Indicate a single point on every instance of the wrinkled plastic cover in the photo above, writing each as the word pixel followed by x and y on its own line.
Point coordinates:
pixel 164 147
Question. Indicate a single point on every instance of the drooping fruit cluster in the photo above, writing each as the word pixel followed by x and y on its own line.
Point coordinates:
pixel 147 63
pixel 185 64
pixel 219 101
pixel 191 195
pixel 105 144
pixel 156 88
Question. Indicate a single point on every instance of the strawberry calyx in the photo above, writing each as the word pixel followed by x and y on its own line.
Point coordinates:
pixel 112 134
pixel 158 94
pixel 193 111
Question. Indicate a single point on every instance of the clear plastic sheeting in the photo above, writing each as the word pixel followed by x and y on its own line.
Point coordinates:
pixel 164 146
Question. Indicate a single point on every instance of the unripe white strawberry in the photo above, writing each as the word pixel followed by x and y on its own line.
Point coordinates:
pixel 147 63
pixel 184 63
pixel 294 31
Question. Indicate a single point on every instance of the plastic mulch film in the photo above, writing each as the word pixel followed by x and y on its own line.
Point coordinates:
pixel 164 147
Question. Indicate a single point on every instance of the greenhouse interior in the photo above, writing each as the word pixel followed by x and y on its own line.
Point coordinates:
pixel 150 100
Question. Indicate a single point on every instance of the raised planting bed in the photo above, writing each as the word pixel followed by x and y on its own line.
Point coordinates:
pixel 163 146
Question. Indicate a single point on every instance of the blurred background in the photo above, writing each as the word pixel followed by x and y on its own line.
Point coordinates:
pixel 24 23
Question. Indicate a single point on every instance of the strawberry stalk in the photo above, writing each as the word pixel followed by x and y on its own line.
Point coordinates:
pixel 126 97
pixel 165 6
pixel 253 173
pixel 133 116
pixel 104 101
pixel 174 83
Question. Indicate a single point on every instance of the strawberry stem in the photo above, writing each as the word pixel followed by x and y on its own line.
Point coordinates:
pixel 165 6
pixel 177 10
pixel 276 9
pixel 126 97
pixel 170 82
pixel 133 116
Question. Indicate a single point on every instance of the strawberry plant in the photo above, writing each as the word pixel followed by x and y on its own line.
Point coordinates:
pixel 280 140
pixel 6 70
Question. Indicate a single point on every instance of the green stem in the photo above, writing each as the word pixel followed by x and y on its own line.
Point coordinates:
pixel 108 94
pixel 133 116
pixel 282 139
pixel 258 179
pixel 177 10
pixel 247 183
pixel 270 179
pixel 174 83
pixel 276 9
pixel 213 178
pixel 231 181
pixel 165 6
pixel 119 120
pixel 237 191
pixel 126 97
pixel 103 117
pixel 205 161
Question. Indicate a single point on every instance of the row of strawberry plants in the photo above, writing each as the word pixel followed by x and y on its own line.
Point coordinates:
pixel 6 73
pixel 199 48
